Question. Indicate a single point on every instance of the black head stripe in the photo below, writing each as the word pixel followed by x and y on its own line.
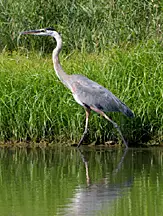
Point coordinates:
pixel 50 29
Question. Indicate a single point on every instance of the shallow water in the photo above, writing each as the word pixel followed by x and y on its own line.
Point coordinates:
pixel 92 181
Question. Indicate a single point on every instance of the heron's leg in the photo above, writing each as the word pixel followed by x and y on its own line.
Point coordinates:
pixel 86 166
pixel 114 124
pixel 86 126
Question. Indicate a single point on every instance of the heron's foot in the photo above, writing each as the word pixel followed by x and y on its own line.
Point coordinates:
pixel 126 145
pixel 80 142
pixel 82 138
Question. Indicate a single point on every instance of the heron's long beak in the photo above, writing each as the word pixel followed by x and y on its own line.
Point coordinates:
pixel 34 32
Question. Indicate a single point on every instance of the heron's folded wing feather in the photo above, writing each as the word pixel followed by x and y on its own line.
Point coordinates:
pixel 95 95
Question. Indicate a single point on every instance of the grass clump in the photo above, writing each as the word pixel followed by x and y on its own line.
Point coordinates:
pixel 85 25
pixel 35 106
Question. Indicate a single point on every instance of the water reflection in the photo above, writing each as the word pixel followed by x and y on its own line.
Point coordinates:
pixel 97 196
pixel 65 181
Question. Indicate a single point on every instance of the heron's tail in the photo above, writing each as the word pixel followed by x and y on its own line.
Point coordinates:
pixel 127 111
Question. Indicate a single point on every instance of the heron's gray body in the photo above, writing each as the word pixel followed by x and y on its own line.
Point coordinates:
pixel 90 94
pixel 86 92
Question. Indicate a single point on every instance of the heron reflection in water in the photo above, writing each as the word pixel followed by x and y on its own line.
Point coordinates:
pixel 95 196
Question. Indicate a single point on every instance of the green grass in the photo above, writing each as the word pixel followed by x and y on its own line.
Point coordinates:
pixel 35 106
pixel 85 25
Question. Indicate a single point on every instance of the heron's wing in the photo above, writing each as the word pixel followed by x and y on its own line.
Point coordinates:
pixel 90 93
pixel 94 95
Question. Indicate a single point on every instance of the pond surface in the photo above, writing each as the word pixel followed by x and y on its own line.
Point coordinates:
pixel 92 181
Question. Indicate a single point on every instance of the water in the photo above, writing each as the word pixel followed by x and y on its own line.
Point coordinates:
pixel 91 182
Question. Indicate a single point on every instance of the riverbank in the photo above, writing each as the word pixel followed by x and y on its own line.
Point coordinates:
pixel 35 106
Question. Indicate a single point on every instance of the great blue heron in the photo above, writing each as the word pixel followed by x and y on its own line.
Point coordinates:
pixel 86 92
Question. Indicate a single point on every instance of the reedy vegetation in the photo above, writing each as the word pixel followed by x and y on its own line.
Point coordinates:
pixel 34 105
pixel 124 39
pixel 85 25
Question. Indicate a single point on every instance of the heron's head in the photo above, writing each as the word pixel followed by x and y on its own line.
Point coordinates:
pixel 44 32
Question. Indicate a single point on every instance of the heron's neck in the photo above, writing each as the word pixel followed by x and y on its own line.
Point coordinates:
pixel 57 66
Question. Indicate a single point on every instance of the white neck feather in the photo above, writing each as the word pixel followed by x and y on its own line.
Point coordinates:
pixel 55 57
